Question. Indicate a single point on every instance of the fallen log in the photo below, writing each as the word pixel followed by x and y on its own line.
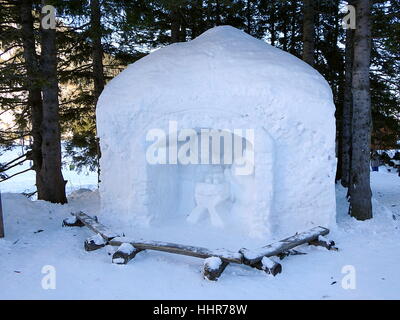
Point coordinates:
pixel 290 252
pixel 95 226
pixel 215 260
pixel 321 241
pixel 213 268
pixel 125 253
pixel 198 252
pixel 72 222
pixel 268 265
pixel 253 257
pixel 94 243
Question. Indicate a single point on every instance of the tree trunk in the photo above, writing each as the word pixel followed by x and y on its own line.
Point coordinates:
pixel 97 53
pixel 183 31
pixel 98 68
pixel 217 13
pixel 360 190
pixel 347 111
pixel 308 32
pixel 285 36
pixel 1 220
pixel 175 25
pixel 51 175
pixel 209 12
pixel 34 90
pixel 248 17
pixel 272 21
pixel 196 19
pixel 293 27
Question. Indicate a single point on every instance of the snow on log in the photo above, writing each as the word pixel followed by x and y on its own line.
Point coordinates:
pixel 198 252
pixel 124 253
pixel 213 268
pixel 321 241
pixel 215 260
pixel 72 222
pixel 95 226
pixel 290 252
pixel 270 266
pixel 95 242
pixel 253 257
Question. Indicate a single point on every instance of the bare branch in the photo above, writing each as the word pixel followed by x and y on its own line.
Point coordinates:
pixel 16 174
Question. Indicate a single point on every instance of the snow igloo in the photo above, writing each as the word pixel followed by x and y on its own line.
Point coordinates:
pixel 277 110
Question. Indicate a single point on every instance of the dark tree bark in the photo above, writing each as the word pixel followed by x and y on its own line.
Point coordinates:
pixel 34 90
pixel 1 220
pixel 178 24
pixel 347 111
pixel 183 32
pixel 97 57
pixel 249 17
pixel 293 27
pixel 175 25
pixel 209 20
pixel 51 175
pixel 217 13
pixel 272 21
pixel 285 36
pixel 308 32
pixel 360 190
pixel 198 22
pixel 97 53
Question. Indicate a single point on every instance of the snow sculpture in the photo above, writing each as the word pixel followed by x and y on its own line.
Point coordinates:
pixel 208 196
pixel 222 80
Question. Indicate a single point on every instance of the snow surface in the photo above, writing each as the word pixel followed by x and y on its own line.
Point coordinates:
pixel 372 247
pixel 224 79
pixel 76 182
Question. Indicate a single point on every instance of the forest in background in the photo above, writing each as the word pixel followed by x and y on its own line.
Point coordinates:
pixel 50 79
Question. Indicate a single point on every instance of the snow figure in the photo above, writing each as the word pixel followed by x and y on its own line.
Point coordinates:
pixel 208 195
pixel 226 81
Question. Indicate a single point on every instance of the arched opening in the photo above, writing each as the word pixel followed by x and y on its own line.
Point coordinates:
pixel 200 176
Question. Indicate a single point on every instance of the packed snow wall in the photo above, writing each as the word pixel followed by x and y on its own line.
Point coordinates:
pixel 222 80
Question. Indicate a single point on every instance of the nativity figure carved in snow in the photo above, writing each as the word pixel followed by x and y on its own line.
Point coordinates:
pixel 220 191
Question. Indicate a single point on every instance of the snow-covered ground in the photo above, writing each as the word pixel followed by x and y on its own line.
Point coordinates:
pixel 26 181
pixel 35 239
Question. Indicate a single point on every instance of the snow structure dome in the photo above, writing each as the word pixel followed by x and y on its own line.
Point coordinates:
pixel 224 80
